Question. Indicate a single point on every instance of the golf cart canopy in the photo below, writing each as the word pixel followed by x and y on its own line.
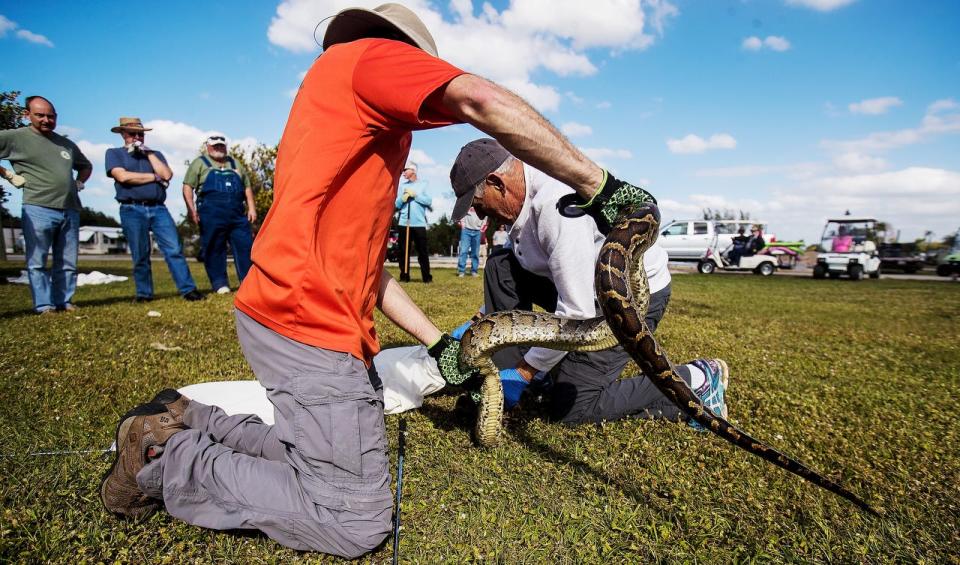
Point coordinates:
pixel 850 220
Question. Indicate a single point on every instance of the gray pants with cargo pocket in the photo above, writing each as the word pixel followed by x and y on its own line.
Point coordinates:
pixel 318 479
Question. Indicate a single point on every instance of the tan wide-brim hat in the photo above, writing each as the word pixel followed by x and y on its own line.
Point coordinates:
pixel 130 124
pixel 356 23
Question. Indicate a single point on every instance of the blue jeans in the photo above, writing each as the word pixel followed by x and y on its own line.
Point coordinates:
pixel 469 243
pixel 42 228
pixel 138 221
pixel 221 219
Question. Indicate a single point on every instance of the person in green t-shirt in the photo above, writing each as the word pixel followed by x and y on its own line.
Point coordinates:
pixel 223 188
pixel 43 164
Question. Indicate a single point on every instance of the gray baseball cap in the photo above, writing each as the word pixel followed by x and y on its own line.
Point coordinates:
pixel 476 160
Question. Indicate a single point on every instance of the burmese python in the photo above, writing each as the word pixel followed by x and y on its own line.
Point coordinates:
pixel 623 294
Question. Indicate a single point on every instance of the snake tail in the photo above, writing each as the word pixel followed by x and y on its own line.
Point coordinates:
pixel 621 253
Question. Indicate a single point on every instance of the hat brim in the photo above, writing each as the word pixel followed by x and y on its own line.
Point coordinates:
pixel 463 204
pixel 357 23
pixel 118 129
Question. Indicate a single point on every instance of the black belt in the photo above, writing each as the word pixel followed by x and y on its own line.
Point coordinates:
pixel 142 202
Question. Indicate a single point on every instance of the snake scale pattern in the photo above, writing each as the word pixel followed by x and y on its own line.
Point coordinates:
pixel 623 294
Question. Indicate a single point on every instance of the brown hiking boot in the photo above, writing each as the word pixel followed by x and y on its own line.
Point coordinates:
pixel 141 434
pixel 175 403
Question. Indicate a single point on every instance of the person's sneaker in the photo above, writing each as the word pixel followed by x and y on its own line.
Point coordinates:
pixel 474 274
pixel 139 299
pixel 714 387
pixel 404 278
pixel 193 296
pixel 141 435
pixel 428 279
pixel 175 403
pixel 69 307
pixel 459 274
pixel 46 311
pixel 223 290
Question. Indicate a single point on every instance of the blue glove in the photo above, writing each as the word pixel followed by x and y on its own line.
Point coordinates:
pixel 513 386
pixel 461 329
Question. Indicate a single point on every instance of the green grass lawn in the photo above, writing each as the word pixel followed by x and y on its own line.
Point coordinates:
pixel 859 380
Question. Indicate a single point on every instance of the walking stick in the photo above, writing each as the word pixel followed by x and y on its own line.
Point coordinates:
pixel 406 241
pixel 396 522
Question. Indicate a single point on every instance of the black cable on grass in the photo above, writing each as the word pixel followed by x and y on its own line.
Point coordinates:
pixel 396 520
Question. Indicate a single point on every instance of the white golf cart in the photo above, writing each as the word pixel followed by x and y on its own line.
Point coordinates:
pixel 848 247
pixel 716 258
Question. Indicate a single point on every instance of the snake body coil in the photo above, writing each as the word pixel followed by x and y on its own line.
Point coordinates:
pixel 623 294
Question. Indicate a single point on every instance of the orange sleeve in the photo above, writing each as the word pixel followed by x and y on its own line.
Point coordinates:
pixel 392 80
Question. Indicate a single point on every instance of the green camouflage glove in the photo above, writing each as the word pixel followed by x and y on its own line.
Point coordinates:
pixel 447 353
pixel 614 199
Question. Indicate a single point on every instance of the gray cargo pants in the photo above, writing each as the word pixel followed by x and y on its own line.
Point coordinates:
pixel 586 386
pixel 316 480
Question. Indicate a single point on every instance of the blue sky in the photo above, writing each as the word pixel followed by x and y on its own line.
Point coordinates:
pixel 791 110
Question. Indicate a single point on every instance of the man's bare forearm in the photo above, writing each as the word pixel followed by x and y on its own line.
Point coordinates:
pixel 521 130
pixel 159 167
pixel 397 306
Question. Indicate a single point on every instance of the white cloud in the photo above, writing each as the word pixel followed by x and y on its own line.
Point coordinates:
pixel 604 105
pixel 875 106
pixel 752 43
pixel 859 163
pixel 774 42
pixel 792 171
pixel 543 98
pixel 696 144
pixel 602 156
pixel 420 157
pixel 574 129
pixel 8 25
pixel 914 199
pixel 34 37
pixel 506 46
pixel 941 105
pixel 937 121
pixel 821 5
pixel 599 153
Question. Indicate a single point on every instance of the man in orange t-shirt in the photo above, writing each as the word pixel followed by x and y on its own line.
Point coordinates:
pixel 318 478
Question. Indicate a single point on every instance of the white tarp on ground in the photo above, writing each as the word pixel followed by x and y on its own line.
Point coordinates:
pixel 83 279
pixel 408 374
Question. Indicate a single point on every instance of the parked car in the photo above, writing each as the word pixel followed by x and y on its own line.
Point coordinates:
pixel 393 246
pixel 900 256
pixel 688 240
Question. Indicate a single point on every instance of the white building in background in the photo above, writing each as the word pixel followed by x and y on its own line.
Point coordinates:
pixel 96 240
pixel 13 240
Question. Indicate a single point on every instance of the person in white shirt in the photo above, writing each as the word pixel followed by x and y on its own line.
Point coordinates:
pixel 550 263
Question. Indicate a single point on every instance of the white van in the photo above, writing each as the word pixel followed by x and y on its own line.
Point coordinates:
pixel 688 240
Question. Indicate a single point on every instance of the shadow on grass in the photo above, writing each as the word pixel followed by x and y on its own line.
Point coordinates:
pixel 89 304
pixel 463 418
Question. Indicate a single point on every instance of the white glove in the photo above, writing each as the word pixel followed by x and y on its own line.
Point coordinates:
pixel 15 179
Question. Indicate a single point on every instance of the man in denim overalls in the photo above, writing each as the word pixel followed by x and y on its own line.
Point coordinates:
pixel 223 188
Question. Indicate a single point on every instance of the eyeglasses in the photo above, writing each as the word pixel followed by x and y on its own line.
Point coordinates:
pixel 217 138
pixel 135 133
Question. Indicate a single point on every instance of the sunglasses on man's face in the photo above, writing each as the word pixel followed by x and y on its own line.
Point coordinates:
pixel 135 133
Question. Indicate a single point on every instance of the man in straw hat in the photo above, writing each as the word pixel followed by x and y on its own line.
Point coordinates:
pixel 318 479
pixel 43 165
pixel 141 176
